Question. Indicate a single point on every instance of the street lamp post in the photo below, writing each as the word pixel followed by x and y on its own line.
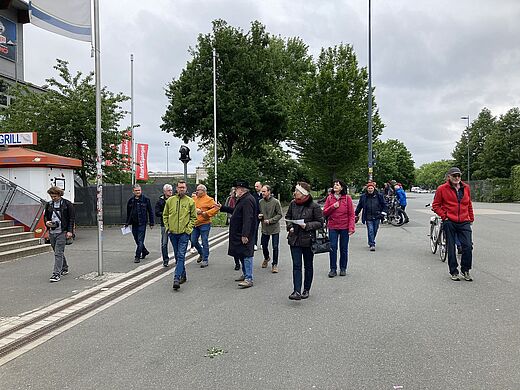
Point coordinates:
pixel 370 155
pixel 467 139
pixel 167 145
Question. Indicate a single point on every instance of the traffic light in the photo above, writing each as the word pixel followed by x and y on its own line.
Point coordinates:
pixel 185 154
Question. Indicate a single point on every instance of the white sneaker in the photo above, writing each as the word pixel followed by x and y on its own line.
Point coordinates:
pixel 193 250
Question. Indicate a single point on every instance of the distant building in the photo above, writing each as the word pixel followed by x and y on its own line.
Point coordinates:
pixel 13 15
pixel 201 174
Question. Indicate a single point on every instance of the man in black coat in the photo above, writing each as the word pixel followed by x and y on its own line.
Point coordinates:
pixel 242 226
pixel 138 213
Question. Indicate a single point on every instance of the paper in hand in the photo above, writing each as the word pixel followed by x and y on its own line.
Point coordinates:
pixel 126 230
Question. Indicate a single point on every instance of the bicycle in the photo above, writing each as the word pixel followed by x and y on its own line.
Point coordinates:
pixel 437 237
pixel 395 215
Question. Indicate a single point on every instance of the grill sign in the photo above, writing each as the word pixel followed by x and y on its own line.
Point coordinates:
pixel 18 139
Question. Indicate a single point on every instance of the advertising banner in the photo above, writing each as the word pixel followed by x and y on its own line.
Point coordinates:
pixel 7 39
pixel 126 148
pixel 142 161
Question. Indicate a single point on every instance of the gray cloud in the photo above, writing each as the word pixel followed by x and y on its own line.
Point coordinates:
pixel 432 62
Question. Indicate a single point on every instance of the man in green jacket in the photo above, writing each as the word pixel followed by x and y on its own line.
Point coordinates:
pixel 179 217
pixel 270 216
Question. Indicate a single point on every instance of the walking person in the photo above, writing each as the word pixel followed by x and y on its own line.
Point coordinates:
pixel 179 217
pixel 401 198
pixel 452 202
pixel 206 209
pixel 231 200
pixel 257 194
pixel 304 210
pixel 138 214
pixel 339 212
pixel 269 217
pixel 59 217
pixel 159 208
pixel 242 231
pixel 374 208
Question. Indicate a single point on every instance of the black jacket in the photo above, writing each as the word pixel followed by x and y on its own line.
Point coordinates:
pixel 159 208
pixel 143 213
pixel 242 224
pixel 372 206
pixel 312 215
pixel 68 217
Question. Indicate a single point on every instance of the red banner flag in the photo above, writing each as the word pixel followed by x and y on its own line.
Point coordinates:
pixel 142 160
pixel 126 148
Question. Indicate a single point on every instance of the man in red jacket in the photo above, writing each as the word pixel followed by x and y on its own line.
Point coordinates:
pixel 452 202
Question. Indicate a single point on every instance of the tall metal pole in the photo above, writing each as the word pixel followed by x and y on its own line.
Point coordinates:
pixel 215 119
pixel 132 116
pixel 467 140
pixel 99 156
pixel 370 156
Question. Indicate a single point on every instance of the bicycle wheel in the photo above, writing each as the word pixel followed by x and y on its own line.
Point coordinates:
pixel 433 238
pixel 398 219
pixel 443 250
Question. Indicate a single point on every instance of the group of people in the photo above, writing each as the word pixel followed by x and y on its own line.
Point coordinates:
pixel 186 219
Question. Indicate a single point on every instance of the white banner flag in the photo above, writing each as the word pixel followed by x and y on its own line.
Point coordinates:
pixel 70 18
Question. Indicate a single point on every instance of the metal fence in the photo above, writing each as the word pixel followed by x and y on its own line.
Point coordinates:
pixel 115 198
pixel 491 190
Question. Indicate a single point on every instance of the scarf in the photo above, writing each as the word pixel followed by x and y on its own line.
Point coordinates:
pixel 301 201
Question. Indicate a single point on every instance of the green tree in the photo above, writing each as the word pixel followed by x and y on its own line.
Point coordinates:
pixel 431 175
pixel 329 120
pixel 257 74
pixel 478 132
pixel 65 119
pixel 502 146
pixel 393 162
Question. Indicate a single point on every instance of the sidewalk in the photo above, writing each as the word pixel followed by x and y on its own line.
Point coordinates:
pixel 25 282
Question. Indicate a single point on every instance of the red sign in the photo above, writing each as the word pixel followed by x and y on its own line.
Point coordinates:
pixel 126 148
pixel 142 161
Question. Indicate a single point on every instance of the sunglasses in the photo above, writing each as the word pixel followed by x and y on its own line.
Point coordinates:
pixel 455 175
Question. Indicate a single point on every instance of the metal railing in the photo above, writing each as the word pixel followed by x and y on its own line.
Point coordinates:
pixel 20 204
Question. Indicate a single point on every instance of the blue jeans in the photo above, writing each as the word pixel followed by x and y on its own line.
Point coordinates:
pixel 461 230
pixel 372 227
pixel 180 245
pixel 297 252
pixel 139 232
pixel 203 232
pixel 247 267
pixel 342 236
pixel 164 244
pixel 265 246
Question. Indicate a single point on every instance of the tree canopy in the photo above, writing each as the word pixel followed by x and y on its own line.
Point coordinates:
pixel 65 119
pixel 494 145
pixel 329 119
pixel 256 74
pixel 433 174
pixel 393 161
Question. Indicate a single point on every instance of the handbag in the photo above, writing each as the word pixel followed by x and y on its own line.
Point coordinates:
pixel 321 244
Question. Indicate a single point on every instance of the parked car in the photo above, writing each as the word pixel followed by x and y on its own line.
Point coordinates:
pixel 419 190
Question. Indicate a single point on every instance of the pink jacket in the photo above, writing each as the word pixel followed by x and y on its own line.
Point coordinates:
pixel 341 217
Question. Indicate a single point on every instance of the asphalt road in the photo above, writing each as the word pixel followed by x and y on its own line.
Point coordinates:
pixel 395 321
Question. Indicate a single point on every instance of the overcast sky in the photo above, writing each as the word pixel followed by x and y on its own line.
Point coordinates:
pixel 432 61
